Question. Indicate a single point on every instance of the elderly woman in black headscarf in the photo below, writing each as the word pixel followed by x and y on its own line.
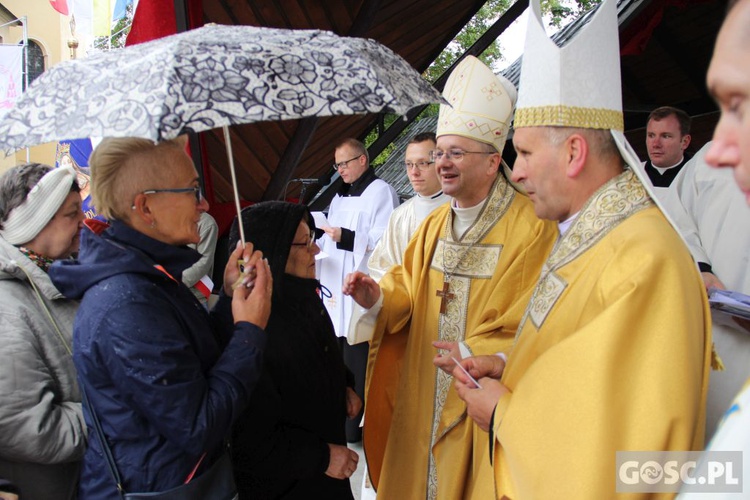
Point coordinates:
pixel 290 442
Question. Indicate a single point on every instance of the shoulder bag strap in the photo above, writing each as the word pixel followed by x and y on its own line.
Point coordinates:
pixel 105 447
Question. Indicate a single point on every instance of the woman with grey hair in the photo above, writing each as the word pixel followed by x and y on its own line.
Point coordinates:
pixel 42 431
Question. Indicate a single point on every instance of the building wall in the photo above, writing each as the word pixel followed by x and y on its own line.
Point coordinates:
pixel 51 30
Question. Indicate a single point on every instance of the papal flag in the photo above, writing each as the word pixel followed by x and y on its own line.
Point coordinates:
pixel 11 74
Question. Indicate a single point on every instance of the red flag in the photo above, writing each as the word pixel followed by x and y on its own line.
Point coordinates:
pixel 60 6
pixel 152 19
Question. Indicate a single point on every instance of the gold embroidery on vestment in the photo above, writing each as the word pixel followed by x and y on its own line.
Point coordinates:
pixel 611 205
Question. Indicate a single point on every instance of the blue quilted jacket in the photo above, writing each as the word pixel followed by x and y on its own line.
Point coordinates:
pixel 166 378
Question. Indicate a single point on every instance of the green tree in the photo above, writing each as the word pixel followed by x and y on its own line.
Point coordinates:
pixel 475 28
pixel 558 12
pixel 564 11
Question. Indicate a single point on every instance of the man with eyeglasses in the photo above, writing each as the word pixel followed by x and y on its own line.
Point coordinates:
pixel 409 215
pixel 357 217
pixel 614 351
pixel 465 278
pixel 390 250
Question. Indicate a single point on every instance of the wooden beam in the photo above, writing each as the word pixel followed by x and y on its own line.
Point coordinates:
pixel 290 159
pixel 476 49
pixel 399 126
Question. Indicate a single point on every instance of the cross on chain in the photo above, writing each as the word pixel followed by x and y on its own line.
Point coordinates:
pixel 445 295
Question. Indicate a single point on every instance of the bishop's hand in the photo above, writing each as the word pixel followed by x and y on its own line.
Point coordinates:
pixel 364 290
pixel 480 366
pixel 480 403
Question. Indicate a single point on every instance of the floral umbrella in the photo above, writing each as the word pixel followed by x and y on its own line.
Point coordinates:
pixel 211 77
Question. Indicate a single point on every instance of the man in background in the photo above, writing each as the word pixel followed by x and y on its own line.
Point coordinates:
pixel 389 251
pixel 357 218
pixel 667 138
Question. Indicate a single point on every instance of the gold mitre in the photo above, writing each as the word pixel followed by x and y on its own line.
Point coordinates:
pixel 577 85
pixel 481 104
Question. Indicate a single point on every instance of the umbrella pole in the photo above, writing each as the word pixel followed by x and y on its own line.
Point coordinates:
pixel 228 143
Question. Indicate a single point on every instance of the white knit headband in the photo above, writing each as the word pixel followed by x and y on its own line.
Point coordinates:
pixel 41 204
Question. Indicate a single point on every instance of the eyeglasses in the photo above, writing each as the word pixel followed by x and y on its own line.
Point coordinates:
pixel 454 154
pixel 308 243
pixel 421 165
pixel 343 164
pixel 195 189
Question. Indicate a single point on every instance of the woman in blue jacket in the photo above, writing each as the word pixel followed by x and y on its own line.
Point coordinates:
pixel 165 379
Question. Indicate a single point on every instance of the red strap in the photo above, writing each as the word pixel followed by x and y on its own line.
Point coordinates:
pixel 195 469
pixel 161 268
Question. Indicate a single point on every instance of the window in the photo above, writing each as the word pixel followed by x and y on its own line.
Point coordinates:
pixel 36 60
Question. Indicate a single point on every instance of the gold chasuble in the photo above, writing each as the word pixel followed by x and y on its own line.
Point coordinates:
pixel 613 354
pixel 415 424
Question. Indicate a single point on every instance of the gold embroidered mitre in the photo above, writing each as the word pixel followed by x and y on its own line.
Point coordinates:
pixel 577 85
pixel 481 104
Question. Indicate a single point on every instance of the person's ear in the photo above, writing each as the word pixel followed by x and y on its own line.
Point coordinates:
pixel 494 165
pixel 576 152
pixel 141 209
pixel 685 141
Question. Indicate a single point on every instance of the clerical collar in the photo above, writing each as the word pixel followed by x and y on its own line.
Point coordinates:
pixel 563 226
pixel 661 170
pixel 358 187
pixel 432 197
pixel 465 217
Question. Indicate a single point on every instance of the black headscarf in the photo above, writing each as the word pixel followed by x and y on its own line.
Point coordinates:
pixel 270 226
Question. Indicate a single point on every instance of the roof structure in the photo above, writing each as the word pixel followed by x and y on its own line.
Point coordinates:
pixel 666 46
pixel 269 155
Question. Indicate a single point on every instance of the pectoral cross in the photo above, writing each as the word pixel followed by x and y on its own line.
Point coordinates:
pixel 445 295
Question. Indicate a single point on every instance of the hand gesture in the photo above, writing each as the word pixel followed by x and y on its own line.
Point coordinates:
pixel 342 462
pixel 234 275
pixel 444 361
pixel 254 304
pixel 333 232
pixel 364 290
pixel 480 403
pixel 353 403
pixel 710 280
pixel 480 366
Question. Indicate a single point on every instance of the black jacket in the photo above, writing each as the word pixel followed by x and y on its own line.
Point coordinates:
pixel 279 446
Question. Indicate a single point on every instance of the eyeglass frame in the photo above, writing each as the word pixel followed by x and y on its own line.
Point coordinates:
pixel 451 155
pixel 196 189
pixel 410 165
pixel 345 164
pixel 309 243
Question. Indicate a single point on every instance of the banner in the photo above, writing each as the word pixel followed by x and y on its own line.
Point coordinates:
pixel 75 153
pixel 11 75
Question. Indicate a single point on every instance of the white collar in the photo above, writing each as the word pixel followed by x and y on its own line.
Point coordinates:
pixel 563 226
pixel 664 169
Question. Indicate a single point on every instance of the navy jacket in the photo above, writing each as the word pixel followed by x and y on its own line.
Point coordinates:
pixel 150 359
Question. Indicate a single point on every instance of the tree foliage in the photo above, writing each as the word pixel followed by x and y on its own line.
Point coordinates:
pixel 119 32
pixel 564 11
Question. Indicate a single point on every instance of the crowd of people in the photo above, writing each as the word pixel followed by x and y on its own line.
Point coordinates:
pixel 502 334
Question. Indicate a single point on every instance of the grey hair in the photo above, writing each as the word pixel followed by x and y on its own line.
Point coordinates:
pixel 601 142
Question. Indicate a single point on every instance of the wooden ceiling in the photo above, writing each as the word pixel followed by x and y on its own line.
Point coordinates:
pixel 268 155
pixel 666 48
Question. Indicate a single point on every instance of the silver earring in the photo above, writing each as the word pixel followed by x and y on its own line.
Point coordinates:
pixel 153 224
